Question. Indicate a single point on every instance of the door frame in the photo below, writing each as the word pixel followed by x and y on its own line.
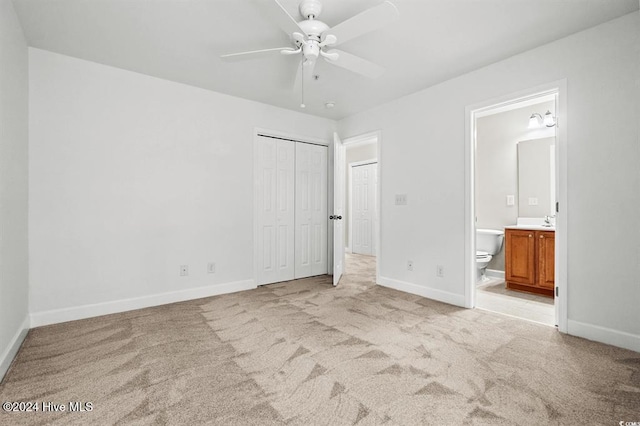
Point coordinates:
pixel 350 200
pixel 558 87
pixel 363 139
pixel 255 175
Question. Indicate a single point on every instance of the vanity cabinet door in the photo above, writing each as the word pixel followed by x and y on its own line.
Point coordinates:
pixel 520 266
pixel 546 258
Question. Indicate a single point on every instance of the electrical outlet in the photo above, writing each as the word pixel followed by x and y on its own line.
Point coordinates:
pixel 211 268
pixel 440 271
pixel 533 201
pixel 184 270
pixel 410 265
pixel 511 200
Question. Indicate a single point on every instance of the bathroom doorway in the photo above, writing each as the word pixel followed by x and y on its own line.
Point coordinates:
pixel 515 236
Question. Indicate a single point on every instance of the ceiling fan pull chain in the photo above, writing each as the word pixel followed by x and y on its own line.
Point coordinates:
pixel 302 105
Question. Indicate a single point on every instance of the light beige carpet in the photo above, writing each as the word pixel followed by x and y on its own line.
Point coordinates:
pixel 304 352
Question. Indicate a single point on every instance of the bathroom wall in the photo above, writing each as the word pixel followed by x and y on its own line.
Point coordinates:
pixel 352 155
pixel 497 138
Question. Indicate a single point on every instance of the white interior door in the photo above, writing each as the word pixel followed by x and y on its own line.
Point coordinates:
pixel 311 210
pixel 363 203
pixel 374 208
pixel 276 211
pixel 338 208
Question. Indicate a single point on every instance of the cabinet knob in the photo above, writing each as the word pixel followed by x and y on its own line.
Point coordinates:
pixel 541 236
pixel 530 235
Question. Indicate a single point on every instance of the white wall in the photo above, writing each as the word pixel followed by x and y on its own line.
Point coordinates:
pixel 423 156
pixel 13 185
pixel 132 176
pixel 497 138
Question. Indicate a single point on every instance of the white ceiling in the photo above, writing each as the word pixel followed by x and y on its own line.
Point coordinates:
pixel 180 40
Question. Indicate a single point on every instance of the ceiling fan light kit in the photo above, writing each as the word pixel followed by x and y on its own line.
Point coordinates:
pixel 310 38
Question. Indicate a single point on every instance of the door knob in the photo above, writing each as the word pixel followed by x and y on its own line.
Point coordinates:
pixel 339 217
pixel 331 217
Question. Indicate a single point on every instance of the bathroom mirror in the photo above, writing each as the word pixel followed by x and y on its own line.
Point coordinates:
pixel 536 177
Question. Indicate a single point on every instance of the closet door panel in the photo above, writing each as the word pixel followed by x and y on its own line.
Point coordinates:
pixel 276 243
pixel 267 152
pixel 286 210
pixel 303 211
pixel 319 224
pixel 311 210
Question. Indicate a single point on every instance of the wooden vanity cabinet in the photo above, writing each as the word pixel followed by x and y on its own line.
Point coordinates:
pixel 529 261
pixel 546 241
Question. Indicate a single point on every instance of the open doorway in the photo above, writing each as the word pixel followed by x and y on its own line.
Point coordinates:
pixel 362 201
pixel 516 252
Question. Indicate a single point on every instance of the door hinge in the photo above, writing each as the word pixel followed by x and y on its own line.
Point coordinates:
pixel 557 207
pixel 556 291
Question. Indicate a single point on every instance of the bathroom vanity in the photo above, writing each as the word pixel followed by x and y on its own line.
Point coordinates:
pixel 530 259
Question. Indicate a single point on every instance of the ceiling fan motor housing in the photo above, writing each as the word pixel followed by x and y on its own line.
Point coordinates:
pixel 313 28
pixel 310 9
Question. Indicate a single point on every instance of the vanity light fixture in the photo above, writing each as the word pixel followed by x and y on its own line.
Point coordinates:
pixel 549 119
pixel 537 121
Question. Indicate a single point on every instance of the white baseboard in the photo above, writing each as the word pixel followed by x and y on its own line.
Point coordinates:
pixel 609 336
pixel 12 349
pixel 98 309
pixel 428 292
pixel 494 273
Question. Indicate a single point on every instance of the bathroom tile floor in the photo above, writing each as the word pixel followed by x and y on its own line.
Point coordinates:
pixel 493 296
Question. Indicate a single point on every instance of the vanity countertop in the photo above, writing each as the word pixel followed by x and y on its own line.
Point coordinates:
pixel 531 227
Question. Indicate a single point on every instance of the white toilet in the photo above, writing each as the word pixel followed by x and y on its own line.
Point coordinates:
pixel 488 243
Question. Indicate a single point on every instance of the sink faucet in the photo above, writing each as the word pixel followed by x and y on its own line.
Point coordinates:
pixel 547 220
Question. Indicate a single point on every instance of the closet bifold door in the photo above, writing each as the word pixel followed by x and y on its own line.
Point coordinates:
pixel 276 221
pixel 311 210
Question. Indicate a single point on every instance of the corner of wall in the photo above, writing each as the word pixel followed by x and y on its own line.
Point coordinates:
pixel 10 353
pixel 14 140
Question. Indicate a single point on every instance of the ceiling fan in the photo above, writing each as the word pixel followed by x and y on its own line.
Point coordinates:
pixel 311 38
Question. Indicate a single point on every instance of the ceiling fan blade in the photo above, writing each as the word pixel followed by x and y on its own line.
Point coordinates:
pixel 278 14
pixel 369 20
pixel 355 64
pixel 254 54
